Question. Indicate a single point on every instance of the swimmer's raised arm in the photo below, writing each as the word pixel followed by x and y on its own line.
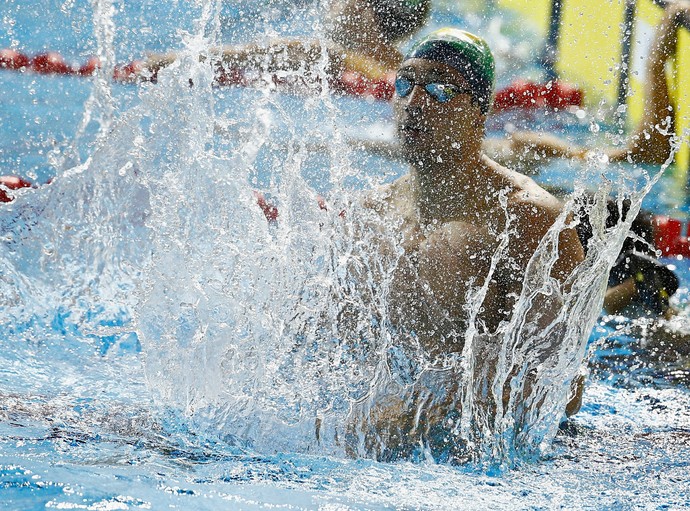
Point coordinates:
pixel 650 143
pixel 281 55
pixel 533 148
pixel 278 55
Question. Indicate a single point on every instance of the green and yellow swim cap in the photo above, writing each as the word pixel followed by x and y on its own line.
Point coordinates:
pixel 467 53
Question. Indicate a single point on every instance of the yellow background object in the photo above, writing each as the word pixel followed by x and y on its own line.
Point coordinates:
pixel 682 89
pixel 647 17
pixel 536 11
pixel 589 47
pixel 589 55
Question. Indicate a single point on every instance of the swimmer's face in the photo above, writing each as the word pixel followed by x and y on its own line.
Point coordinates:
pixel 429 128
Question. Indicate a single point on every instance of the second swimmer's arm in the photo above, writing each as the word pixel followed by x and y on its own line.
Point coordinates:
pixel 285 55
pixel 280 55
pixel 530 144
pixel 289 55
pixel 651 141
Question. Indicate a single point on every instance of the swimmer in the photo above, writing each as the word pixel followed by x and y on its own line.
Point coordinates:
pixel 361 36
pixel 450 211
pixel 440 108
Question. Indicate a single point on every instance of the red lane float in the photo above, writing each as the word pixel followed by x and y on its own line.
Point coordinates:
pixel 12 59
pixel 668 237
pixel 8 183
pixel 131 73
pixel 50 63
pixel 355 84
pixel 531 95
pixel 230 76
pixel 90 67
pixel 519 94
pixel 269 210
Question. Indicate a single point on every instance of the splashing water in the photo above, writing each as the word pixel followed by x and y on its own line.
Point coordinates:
pixel 277 336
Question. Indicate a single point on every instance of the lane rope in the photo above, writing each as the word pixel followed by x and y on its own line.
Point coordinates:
pixel 519 94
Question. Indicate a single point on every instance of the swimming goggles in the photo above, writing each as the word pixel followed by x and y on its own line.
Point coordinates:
pixel 441 92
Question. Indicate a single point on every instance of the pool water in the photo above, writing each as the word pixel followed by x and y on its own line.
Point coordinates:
pixel 109 396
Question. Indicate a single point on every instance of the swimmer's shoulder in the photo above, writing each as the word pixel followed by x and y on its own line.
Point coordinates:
pixel 525 197
pixel 534 209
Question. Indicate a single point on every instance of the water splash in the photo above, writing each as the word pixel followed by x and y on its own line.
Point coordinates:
pixel 279 336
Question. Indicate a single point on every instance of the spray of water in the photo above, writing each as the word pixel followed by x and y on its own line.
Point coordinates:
pixel 281 336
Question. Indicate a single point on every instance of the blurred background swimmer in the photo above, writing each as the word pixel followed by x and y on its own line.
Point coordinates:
pixel 649 143
pixel 361 36
pixel 639 284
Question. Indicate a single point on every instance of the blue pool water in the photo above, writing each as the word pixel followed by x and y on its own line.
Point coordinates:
pixel 113 394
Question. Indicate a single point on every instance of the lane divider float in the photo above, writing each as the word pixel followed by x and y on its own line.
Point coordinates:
pixel 8 184
pixel 520 94
pixel 669 238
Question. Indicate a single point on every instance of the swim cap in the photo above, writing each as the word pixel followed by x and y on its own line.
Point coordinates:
pixel 467 53
pixel 400 18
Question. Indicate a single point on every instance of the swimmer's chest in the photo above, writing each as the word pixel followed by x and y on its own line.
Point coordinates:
pixel 440 264
pixel 458 246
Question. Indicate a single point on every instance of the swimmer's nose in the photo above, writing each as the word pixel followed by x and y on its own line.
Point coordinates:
pixel 418 96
